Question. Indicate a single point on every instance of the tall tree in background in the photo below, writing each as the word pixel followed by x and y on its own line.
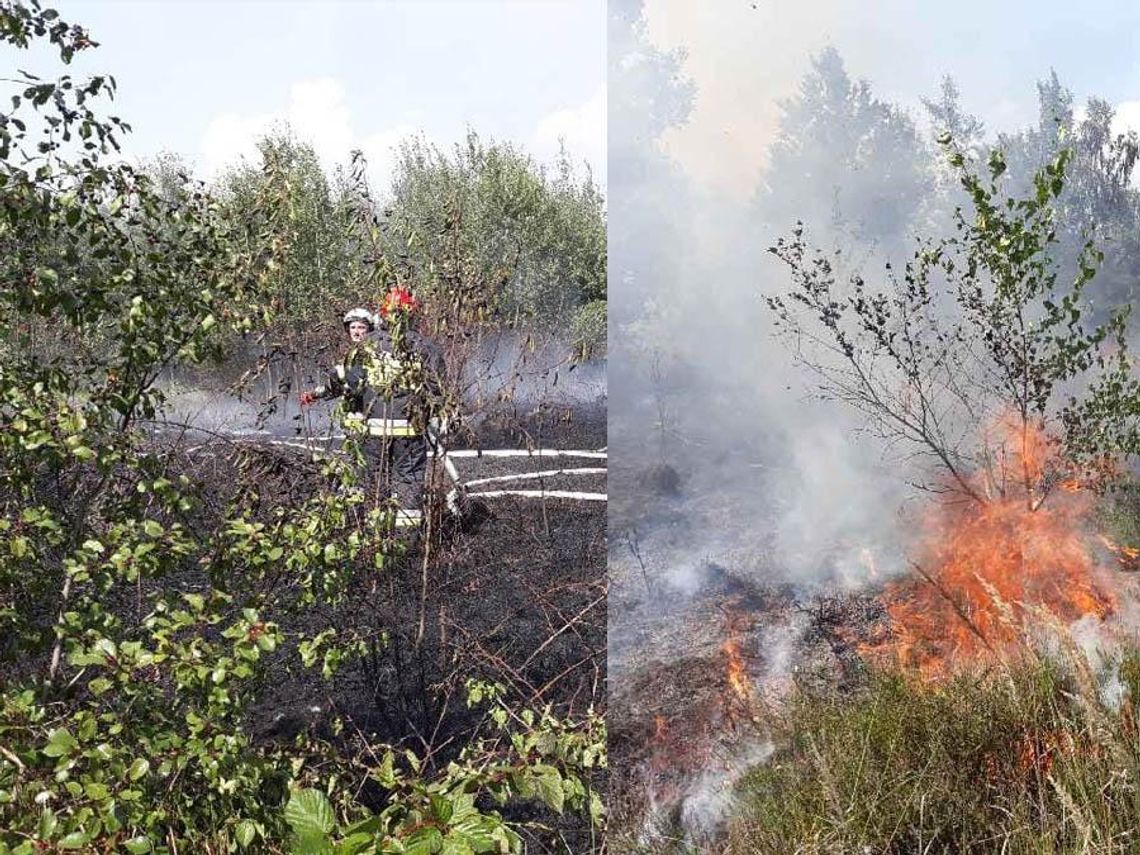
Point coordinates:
pixel 948 120
pixel 648 95
pixel 845 159
pixel 1098 201
pixel 650 230
pixel 487 235
pixel 948 117
pixel 321 272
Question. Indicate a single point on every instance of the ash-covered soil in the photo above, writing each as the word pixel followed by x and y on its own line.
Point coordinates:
pixel 693 596
pixel 515 593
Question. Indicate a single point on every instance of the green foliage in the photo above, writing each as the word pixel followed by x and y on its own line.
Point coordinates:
pixel 589 328
pixel 321 269
pixel 121 726
pixel 536 756
pixel 487 235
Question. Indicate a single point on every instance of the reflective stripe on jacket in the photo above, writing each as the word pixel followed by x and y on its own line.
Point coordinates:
pixel 382 427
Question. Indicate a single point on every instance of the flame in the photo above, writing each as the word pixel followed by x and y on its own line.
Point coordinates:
pixel 985 569
pixel 1128 556
pixel 734 669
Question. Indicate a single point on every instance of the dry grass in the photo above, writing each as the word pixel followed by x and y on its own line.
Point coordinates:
pixel 1030 756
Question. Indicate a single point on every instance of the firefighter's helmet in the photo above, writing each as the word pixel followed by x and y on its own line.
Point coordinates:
pixel 360 314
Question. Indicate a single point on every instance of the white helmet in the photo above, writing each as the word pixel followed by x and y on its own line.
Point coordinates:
pixel 359 314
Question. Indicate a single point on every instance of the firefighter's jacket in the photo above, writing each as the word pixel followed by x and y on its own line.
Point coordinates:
pixel 388 391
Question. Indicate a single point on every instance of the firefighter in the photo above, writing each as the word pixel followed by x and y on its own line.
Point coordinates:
pixel 389 380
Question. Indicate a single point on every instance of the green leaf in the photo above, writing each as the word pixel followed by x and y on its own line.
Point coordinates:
pixel 309 812
pixel 245 832
pixel 311 843
pixel 354 844
pixel 47 824
pixel 96 791
pixel 549 782
pixel 75 840
pixel 425 841
pixel 441 808
pixel 139 768
pixel 60 742
pixel 138 845
pixel 456 845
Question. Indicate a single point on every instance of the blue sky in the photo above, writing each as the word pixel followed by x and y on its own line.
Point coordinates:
pixel 204 78
pixel 745 55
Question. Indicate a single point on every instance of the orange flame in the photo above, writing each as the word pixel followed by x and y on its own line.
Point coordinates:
pixel 1128 556
pixel 734 669
pixel 985 567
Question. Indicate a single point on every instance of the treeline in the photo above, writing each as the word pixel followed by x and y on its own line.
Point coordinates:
pixel 868 174
pixel 481 232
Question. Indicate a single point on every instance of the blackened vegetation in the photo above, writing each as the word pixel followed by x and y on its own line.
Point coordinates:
pixel 515 594
pixel 675 722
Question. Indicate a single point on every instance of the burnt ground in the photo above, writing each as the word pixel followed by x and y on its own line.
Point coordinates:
pixel 680 732
pixel 681 604
pixel 515 595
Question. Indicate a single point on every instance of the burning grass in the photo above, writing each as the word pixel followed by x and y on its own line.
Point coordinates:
pixel 1015 547
pixel 1034 756
pixel 965 707
pixel 982 574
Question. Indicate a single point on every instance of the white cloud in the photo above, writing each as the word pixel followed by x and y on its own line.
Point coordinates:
pixel 228 139
pixel 381 151
pixel 317 112
pixel 583 131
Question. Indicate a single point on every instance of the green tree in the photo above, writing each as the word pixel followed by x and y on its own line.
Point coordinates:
pixel 1099 201
pixel 322 269
pixel 485 235
pixel 844 160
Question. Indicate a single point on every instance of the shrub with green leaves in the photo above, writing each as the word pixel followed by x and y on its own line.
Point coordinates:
pixel 488 235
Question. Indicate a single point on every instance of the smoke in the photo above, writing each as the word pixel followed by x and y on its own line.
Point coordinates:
pixel 1102 654
pixel 710 798
pixel 506 369
pixel 532 370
